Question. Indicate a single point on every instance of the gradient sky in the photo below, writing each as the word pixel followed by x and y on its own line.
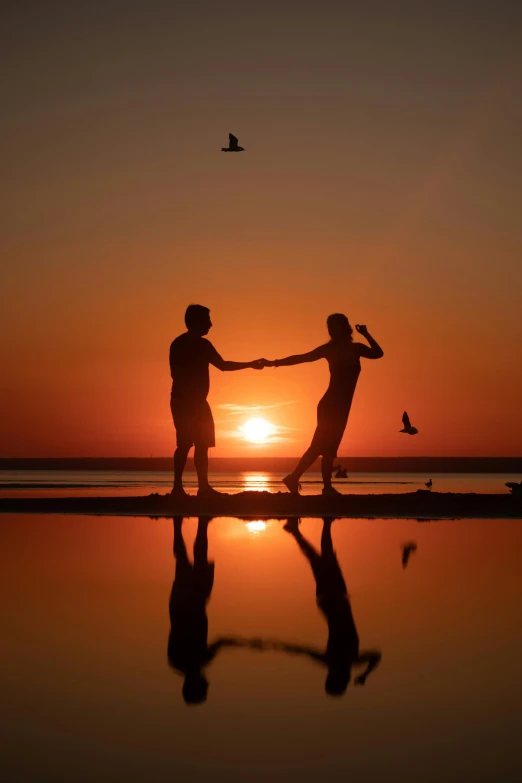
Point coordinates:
pixel 381 178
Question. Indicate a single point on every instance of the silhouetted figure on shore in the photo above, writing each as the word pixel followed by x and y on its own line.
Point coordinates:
pixel 190 357
pixel 232 144
pixel 188 650
pixel 343 357
pixel 429 484
pixel 342 649
pixel 514 487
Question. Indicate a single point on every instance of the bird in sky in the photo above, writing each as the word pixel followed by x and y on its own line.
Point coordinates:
pixel 407 550
pixel 429 484
pixel 232 145
pixel 408 429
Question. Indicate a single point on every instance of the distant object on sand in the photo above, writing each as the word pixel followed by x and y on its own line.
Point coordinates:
pixel 408 429
pixel 429 484
pixel 514 487
pixel 340 472
pixel 232 145
pixel 407 550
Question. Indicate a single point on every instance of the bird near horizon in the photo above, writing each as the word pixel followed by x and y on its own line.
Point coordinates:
pixel 408 429
pixel 232 145
pixel 429 484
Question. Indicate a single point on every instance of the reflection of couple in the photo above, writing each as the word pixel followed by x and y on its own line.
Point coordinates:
pixel 189 652
pixel 190 357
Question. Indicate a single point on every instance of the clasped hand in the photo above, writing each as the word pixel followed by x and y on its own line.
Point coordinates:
pixel 260 364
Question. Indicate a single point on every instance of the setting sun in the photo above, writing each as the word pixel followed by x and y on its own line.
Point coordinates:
pixel 257 430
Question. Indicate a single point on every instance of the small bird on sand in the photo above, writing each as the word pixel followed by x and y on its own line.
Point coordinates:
pixel 429 484
pixel 232 145
pixel 407 550
pixel 408 429
pixel 515 487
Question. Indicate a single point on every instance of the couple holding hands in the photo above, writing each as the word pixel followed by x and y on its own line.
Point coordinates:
pixel 190 357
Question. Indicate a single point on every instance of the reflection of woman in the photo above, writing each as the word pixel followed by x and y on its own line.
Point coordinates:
pixel 343 357
pixel 342 649
pixel 188 650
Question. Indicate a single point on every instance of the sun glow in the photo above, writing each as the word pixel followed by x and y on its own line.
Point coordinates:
pixel 257 430
pixel 256 526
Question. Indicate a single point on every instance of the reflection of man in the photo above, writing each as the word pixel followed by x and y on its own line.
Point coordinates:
pixel 190 356
pixel 342 649
pixel 188 650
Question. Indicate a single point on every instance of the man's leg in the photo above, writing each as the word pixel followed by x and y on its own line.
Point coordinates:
pixel 201 542
pixel 308 458
pixel 180 460
pixel 201 465
pixel 179 548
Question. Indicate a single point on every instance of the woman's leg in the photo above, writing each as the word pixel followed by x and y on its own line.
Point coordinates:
pixel 308 458
pixel 327 470
pixel 327 549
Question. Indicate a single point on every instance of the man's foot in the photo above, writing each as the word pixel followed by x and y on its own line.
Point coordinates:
pixel 209 492
pixel 331 492
pixel 292 526
pixel 179 492
pixel 291 483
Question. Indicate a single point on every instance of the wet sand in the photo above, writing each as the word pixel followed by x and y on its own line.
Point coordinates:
pixel 422 504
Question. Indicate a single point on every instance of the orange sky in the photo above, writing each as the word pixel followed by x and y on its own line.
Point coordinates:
pixel 381 178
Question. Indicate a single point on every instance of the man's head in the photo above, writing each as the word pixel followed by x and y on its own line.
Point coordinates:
pixel 339 326
pixel 195 688
pixel 197 319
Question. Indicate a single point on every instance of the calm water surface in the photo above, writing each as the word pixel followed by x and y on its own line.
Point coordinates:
pixel 89 694
pixel 52 483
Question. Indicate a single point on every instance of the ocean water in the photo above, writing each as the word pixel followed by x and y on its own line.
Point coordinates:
pixel 95 655
pixel 51 483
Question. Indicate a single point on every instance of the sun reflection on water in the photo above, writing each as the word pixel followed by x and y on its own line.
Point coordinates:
pixel 256 526
pixel 255 482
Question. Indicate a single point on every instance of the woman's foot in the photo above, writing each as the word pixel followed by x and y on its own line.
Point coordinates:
pixel 292 526
pixel 331 492
pixel 291 483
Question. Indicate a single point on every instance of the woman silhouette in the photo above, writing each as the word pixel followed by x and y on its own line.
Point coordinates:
pixel 343 357
pixel 342 649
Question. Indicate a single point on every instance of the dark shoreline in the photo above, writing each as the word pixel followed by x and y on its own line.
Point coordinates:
pixel 421 505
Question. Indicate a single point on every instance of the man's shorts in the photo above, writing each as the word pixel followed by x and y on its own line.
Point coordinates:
pixel 193 422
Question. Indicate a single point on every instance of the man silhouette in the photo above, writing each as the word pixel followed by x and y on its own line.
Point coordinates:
pixel 188 650
pixel 190 356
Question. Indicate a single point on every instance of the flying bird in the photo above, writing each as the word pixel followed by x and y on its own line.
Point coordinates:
pixel 232 145
pixel 407 550
pixel 429 484
pixel 408 429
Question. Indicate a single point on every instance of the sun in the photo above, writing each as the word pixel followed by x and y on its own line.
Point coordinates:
pixel 257 430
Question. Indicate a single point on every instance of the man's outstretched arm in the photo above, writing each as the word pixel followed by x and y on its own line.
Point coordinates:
pixel 217 361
